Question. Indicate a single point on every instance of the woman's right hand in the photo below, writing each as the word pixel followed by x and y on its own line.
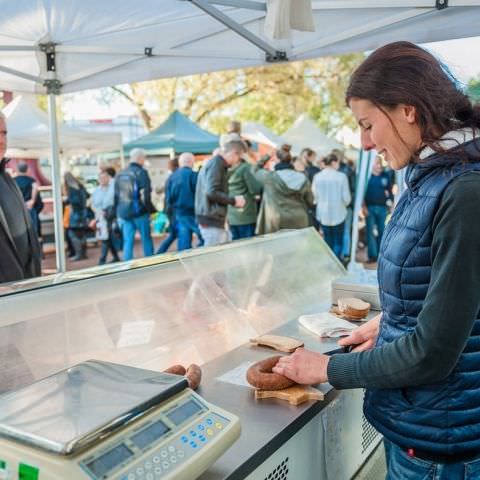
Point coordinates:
pixel 363 337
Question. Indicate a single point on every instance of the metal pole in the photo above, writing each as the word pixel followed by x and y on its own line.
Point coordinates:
pixel 56 186
pixel 122 156
pixel 363 171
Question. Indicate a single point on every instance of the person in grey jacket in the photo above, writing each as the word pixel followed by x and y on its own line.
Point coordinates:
pixel 211 196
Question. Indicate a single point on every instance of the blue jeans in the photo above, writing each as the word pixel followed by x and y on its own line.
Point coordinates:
pixel 213 235
pixel 187 226
pixel 167 242
pixel 334 237
pixel 129 227
pixel 400 466
pixel 347 233
pixel 377 214
pixel 242 231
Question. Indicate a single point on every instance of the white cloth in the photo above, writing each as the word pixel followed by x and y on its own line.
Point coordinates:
pixel 326 324
pixel 332 195
pixel 284 15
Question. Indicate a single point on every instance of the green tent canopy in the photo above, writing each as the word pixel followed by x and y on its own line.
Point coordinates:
pixel 177 134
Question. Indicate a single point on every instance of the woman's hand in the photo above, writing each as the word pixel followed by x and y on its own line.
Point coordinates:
pixel 363 337
pixel 304 367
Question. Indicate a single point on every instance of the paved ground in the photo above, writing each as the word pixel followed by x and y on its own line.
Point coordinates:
pixel 93 252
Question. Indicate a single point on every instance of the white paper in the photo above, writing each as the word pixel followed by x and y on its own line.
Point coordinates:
pixel 237 376
pixel 135 333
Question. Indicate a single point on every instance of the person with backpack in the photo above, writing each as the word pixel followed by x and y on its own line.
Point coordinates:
pixel 133 204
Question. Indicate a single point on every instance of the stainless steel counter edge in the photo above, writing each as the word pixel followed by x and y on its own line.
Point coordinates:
pixel 266 424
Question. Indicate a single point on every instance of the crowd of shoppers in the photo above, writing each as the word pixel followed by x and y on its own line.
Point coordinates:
pixel 233 195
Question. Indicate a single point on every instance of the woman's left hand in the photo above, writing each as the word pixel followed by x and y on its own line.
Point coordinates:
pixel 304 367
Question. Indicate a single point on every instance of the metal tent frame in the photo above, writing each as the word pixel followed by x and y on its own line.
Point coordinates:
pixel 388 17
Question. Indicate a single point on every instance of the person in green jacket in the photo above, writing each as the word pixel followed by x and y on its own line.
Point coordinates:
pixel 242 181
pixel 287 195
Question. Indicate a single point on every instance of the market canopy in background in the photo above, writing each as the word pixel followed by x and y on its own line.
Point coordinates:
pixel 28 133
pixel 305 133
pixel 177 134
pixel 60 46
pixel 258 133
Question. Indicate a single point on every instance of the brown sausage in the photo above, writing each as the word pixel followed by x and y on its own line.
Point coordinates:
pixel 176 370
pixel 260 375
pixel 194 376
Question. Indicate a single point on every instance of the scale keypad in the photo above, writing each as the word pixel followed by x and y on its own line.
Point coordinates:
pixel 179 449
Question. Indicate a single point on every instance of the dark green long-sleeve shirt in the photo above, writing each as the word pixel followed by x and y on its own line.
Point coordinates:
pixel 431 351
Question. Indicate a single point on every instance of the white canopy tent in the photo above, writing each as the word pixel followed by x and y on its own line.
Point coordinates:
pixel 28 133
pixel 56 46
pixel 305 133
pixel 258 133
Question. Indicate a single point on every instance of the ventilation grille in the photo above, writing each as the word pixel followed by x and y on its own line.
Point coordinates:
pixel 369 434
pixel 280 473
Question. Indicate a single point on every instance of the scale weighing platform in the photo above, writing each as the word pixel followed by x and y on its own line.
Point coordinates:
pixel 102 421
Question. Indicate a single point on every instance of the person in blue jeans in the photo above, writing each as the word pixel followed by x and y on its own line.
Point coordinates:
pixel 172 228
pixel 378 198
pixel 180 203
pixel 133 204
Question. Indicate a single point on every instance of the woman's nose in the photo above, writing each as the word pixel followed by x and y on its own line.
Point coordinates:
pixel 367 143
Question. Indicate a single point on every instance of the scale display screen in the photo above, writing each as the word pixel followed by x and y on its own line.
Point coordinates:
pixel 149 435
pixel 108 461
pixel 187 410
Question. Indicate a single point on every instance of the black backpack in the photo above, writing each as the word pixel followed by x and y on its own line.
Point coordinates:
pixel 127 186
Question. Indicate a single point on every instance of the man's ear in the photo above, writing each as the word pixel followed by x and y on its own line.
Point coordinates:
pixel 410 113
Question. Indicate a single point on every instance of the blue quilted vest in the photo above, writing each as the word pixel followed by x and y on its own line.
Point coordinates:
pixel 444 417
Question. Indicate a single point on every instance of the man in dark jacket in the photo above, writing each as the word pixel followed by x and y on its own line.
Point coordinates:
pixel 133 204
pixel 20 252
pixel 31 195
pixel 180 201
pixel 211 197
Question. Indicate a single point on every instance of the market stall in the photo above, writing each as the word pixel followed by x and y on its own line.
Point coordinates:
pixel 200 307
pixel 177 134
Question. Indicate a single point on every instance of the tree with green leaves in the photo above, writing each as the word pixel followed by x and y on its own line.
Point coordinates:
pixel 274 95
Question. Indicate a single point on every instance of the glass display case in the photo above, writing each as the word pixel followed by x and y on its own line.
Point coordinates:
pixel 163 310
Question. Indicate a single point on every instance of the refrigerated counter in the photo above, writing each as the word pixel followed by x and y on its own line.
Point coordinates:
pixel 202 307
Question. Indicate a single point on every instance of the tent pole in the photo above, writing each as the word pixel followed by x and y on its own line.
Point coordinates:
pixel 56 186
pixel 363 171
pixel 122 157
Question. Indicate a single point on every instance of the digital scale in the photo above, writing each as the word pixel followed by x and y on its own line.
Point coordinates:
pixel 101 421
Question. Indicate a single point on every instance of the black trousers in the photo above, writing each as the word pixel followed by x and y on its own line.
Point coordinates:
pixel 107 245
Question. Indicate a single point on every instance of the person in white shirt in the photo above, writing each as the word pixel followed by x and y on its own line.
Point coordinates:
pixel 332 196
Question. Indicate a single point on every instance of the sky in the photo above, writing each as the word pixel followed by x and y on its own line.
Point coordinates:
pixel 461 56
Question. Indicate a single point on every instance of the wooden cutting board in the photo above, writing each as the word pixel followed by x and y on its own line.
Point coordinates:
pixel 277 342
pixel 293 395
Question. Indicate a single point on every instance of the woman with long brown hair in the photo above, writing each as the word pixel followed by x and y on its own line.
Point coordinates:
pixel 420 358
